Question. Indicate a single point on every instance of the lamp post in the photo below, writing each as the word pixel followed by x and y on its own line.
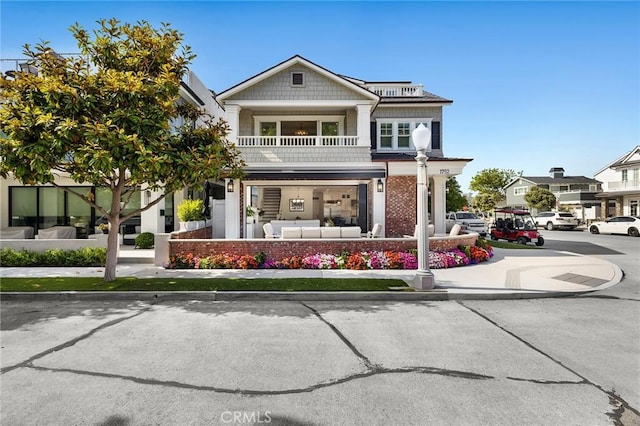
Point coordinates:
pixel 424 279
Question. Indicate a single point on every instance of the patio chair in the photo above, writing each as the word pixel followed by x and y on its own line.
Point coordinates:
pixel 268 231
pixel 376 231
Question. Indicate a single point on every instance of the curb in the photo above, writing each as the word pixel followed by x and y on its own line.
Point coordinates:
pixel 404 296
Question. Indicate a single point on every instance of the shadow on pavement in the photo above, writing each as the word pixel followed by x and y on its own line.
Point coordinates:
pixel 15 315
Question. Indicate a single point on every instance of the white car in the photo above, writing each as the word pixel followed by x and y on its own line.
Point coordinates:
pixel 468 221
pixel 553 220
pixel 629 225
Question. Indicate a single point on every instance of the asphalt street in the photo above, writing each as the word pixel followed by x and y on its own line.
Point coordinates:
pixel 569 361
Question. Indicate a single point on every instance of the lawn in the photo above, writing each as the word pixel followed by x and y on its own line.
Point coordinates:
pixel 199 284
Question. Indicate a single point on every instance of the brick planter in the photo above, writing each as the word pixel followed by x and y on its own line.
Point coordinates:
pixel 278 248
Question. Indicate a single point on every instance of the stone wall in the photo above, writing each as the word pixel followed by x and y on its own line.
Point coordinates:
pixel 401 206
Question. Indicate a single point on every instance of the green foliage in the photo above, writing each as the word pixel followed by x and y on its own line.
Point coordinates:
pixel 455 199
pixel 190 210
pixel 86 256
pixel 485 202
pixel 145 240
pixel 492 181
pixel 104 118
pixel 540 198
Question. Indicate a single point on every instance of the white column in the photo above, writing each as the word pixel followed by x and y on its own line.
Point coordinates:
pixel 364 120
pixel 233 119
pixel 439 203
pixel 232 211
pixel 150 219
pixel 379 204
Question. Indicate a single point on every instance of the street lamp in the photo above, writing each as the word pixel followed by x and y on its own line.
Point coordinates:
pixel 424 279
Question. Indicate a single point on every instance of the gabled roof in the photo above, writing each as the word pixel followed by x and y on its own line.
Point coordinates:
pixel 547 180
pixel 623 160
pixel 295 60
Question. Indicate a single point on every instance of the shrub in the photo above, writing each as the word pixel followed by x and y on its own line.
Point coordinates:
pixel 145 240
pixel 190 210
pixel 86 256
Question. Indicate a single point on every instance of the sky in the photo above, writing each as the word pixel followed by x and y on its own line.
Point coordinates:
pixel 535 85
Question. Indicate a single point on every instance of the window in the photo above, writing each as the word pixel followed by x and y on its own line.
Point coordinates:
pixel 404 134
pixel 396 133
pixel 386 135
pixel 625 175
pixel 330 128
pixel 268 128
pixel 520 190
pixel 297 79
pixel 633 208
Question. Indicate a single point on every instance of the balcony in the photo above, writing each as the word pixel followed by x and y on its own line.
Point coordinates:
pixel 396 90
pixel 624 185
pixel 297 141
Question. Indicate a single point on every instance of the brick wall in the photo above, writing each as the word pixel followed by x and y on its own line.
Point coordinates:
pixel 201 233
pixel 278 249
pixel 401 206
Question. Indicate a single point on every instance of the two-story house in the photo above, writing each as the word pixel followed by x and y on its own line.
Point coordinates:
pixel 573 193
pixel 323 146
pixel 45 206
pixel 621 185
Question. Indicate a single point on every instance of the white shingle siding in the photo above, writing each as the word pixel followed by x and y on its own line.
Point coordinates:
pixel 278 87
pixel 408 112
pixel 324 154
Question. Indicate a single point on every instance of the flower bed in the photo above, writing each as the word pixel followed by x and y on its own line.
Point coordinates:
pixel 362 260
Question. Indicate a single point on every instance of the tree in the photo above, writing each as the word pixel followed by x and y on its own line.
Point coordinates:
pixel 455 199
pixel 540 198
pixel 492 181
pixel 108 118
pixel 485 202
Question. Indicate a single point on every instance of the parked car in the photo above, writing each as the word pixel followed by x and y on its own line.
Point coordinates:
pixel 556 220
pixel 629 225
pixel 468 221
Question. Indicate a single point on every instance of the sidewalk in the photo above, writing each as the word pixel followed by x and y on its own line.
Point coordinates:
pixel 509 274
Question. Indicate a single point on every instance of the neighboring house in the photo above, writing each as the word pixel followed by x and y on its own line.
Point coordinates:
pixel 621 185
pixel 319 145
pixel 576 194
pixel 44 206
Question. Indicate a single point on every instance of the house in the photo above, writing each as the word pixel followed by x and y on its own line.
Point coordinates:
pixel 318 145
pixel 621 185
pixel 326 147
pixel 45 206
pixel 573 193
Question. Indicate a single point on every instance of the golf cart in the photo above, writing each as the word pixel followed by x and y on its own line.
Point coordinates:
pixel 515 225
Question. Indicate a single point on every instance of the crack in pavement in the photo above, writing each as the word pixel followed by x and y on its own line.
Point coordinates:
pixel 71 342
pixel 342 337
pixel 610 394
pixel 604 296
pixel 253 392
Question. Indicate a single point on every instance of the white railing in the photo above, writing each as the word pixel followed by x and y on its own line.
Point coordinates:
pixel 624 185
pixel 397 90
pixel 297 141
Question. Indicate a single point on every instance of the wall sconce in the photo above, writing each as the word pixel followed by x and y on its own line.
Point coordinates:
pixel 147 197
pixel 380 186
pixel 230 186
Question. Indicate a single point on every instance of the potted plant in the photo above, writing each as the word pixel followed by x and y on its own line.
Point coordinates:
pixel 189 213
pixel 104 227
pixel 251 214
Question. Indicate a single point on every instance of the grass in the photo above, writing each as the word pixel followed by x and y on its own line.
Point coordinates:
pixel 508 245
pixel 198 284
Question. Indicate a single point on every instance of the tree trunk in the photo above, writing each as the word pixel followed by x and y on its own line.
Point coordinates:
pixel 113 239
pixel 112 251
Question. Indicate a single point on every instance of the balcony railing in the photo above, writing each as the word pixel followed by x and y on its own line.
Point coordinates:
pixel 397 90
pixel 297 141
pixel 624 185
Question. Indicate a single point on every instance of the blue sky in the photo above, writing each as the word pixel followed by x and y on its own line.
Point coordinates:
pixel 535 85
